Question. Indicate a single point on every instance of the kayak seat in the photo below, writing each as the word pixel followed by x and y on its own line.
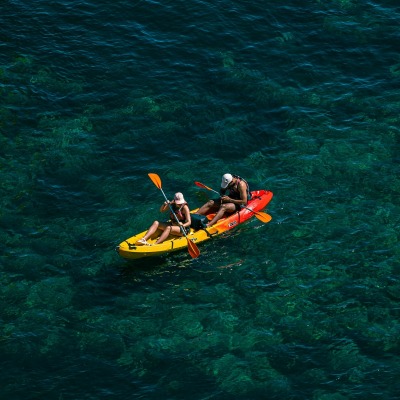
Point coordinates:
pixel 198 221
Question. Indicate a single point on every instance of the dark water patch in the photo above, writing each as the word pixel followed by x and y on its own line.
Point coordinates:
pixel 300 100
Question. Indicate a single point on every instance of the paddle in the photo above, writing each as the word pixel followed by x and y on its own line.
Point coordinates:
pixel 262 216
pixel 192 248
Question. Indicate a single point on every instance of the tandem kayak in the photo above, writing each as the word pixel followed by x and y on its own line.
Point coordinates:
pixel 129 249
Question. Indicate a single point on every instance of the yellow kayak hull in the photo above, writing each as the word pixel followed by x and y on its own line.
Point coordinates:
pixel 131 250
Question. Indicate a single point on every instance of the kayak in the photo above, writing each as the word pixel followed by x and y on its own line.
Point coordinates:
pixel 130 249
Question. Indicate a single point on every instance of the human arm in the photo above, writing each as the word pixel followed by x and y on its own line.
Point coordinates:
pixel 165 206
pixel 188 218
pixel 242 193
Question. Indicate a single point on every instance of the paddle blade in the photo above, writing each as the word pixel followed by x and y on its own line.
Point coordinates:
pixel 155 179
pixel 263 217
pixel 199 184
pixel 193 249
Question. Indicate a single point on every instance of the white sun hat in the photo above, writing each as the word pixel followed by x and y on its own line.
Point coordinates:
pixel 179 199
pixel 226 180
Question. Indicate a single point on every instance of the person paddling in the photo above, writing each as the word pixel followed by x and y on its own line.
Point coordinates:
pixel 181 210
pixel 234 192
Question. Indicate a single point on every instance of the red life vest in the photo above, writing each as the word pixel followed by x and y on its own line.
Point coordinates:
pixel 178 212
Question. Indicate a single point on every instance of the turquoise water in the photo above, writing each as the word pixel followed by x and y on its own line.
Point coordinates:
pixel 300 98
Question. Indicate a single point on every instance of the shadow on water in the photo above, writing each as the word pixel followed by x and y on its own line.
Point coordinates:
pixel 179 267
pixel 155 270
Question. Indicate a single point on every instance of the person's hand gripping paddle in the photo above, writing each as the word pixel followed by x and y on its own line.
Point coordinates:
pixel 262 216
pixel 192 248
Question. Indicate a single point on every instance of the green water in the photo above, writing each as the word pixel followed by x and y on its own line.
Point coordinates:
pixel 302 99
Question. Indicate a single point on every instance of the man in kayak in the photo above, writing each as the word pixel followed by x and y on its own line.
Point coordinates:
pixel 234 194
pixel 182 212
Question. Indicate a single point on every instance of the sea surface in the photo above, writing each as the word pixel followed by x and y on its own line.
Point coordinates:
pixel 301 98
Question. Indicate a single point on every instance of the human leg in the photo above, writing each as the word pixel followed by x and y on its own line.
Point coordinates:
pixel 170 229
pixel 225 208
pixel 210 205
pixel 154 226
pixel 166 232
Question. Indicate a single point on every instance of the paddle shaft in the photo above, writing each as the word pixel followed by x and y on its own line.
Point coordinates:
pixel 172 211
pixel 219 194
pixel 262 216
pixel 192 248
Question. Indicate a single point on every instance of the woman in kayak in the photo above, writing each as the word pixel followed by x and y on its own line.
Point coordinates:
pixel 234 192
pixel 182 212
